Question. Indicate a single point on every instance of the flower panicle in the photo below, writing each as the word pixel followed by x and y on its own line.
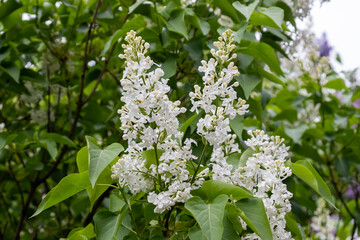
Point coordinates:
pixel 149 123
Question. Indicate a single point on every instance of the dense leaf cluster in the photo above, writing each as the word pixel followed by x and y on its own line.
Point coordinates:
pixel 59 81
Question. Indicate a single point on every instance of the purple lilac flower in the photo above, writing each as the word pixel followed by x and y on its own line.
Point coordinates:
pixel 356 103
pixel 325 48
pixel 352 190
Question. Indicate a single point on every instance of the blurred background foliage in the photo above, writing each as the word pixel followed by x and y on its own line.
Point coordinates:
pixel 59 81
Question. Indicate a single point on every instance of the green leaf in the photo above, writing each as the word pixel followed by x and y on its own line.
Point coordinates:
pixel 254 213
pixel 296 133
pixel 246 11
pixel 67 187
pixel 102 184
pixel 305 171
pixel 82 160
pixel 263 52
pixel 8 7
pixel 292 225
pixel 12 70
pixel 203 25
pixel 108 14
pixel 50 146
pixel 227 9
pixel 177 23
pixel 196 234
pixel 59 139
pixel 229 230
pixel 245 156
pixel 337 84
pixel 234 160
pixel 190 121
pixel 269 76
pixel 272 17
pixel 82 233
pixel 4 53
pixel 214 188
pixel 169 66
pixel 2 142
pixel 135 5
pixel 108 225
pixel 103 181
pixel 209 216
pixel 237 125
pixel 134 24
pixel 233 216
pixel 150 156
pixel 248 82
pixel 116 202
pixel 99 159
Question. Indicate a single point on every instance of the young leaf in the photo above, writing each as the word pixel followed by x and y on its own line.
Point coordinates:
pixel 305 171
pixel 99 158
pixel 67 187
pixel 209 216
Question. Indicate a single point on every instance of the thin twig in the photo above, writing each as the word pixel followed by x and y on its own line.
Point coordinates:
pixel 16 181
pixel 7 211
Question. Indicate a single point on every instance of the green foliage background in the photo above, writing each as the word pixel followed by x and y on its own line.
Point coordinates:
pixel 51 97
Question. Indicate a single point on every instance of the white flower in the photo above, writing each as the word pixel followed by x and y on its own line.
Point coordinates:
pixel 219 101
pixel 149 123
pixel 263 175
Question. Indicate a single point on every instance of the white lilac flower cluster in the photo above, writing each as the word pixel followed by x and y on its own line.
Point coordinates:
pixel 265 170
pixel 324 226
pixel 150 125
pixel 186 3
pixel 263 175
pixel 302 8
pixel 149 122
pixel 219 101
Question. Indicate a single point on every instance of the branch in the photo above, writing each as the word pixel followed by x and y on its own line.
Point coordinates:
pixel 103 70
pixel 16 181
pixel 90 216
pixel 84 66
